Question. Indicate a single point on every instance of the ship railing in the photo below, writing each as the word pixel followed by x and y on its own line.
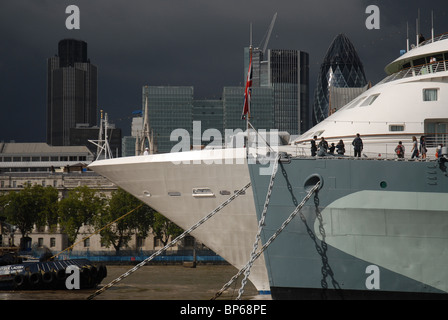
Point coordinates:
pixel 442 36
pixel 424 69
pixel 381 147
pixel 436 139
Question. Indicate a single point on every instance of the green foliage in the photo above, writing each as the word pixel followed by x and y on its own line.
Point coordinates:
pixel 163 228
pixel 119 233
pixel 32 205
pixel 38 205
pixel 48 215
pixel 79 208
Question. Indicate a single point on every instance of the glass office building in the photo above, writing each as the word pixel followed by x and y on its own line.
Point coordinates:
pixel 279 100
pixel 209 115
pixel 169 108
pixel 341 68
pixel 262 108
pixel 286 72
pixel 289 71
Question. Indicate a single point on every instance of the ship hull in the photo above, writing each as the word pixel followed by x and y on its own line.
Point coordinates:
pixel 166 182
pixel 375 229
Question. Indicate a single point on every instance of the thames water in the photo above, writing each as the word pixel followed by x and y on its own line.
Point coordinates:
pixel 152 282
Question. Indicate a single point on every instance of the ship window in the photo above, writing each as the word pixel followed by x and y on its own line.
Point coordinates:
pixel 318 133
pixel 396 127
pixel 174 194
pixel 353 103
pixel 419 62
pixel 430 94
pixel 369 100
pixel 202 192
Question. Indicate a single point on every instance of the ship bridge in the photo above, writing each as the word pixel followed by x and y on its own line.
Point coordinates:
pixel 430 56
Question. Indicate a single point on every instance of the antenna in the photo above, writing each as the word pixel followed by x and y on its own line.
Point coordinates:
pixel 407 36
pixel 102 144
pixel 432 25
pixel 250 35
pixel 417 27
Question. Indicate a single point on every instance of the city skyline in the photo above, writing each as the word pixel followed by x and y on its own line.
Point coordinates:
pixel 193 42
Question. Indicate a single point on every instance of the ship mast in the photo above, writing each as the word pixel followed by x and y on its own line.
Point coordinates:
pixel 103 149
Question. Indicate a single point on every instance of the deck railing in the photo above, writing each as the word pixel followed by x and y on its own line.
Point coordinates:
pixel 442 36
pixel 439 66
pixel 385 143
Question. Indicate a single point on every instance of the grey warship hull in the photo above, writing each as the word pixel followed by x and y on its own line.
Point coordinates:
pixel 374 229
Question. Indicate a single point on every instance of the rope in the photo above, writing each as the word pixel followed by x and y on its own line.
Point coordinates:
pixel 270 240
pixel 98 231
pixel 260 227
pixel 180 237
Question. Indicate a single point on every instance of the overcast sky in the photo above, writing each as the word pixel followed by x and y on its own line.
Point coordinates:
pixel 182 42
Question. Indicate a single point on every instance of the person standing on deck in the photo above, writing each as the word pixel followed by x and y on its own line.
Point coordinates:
pixel 357 144
pixel 313 146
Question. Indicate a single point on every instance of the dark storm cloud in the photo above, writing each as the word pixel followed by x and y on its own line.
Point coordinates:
pixel 181 42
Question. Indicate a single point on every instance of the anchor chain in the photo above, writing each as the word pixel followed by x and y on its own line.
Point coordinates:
pixel 271 239
pixel 260 228
pixel 172 243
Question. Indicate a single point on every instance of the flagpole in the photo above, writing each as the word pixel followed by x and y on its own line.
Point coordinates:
pixel 247 95
pixel 248 107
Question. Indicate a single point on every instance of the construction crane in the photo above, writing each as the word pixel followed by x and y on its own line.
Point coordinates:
pixel 269 32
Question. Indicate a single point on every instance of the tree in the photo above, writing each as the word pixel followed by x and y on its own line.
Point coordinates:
pixel 163 228
pixel 3 202
pixel 48 214
pixel 33 205
pixel 138 222
pixel 79 208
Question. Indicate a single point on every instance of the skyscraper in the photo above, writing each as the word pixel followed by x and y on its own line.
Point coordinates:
pixel 341 78
pixel 169 108
pixel 72 91
pixel 286 72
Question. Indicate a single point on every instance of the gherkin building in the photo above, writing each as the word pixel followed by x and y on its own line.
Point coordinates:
pixel 341 71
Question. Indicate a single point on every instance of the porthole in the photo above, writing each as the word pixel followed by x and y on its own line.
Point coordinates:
pixel 312 180
pixel 383 184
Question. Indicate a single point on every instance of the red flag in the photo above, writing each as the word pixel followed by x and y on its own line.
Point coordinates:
pixel 248 90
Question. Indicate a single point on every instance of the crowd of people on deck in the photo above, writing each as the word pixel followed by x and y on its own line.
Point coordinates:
pixel 322 148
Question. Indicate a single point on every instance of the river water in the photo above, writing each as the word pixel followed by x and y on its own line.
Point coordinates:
pixel 153 282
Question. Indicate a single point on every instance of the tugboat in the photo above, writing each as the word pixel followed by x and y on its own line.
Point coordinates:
pixel 45 274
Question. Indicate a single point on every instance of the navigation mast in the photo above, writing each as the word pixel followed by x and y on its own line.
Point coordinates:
pixel 103 149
